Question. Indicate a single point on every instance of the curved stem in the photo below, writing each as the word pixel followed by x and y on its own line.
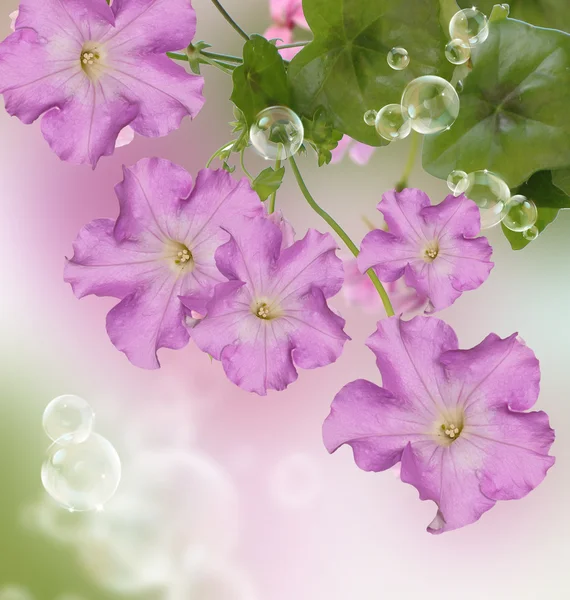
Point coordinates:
pixel 217 153
pixel 273 196
pixel 227 68
pixel 227 17
pixel 243 167
pixel 342 235
pixel 415 145
pixel 293 45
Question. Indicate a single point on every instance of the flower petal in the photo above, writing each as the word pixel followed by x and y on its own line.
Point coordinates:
pixel 285 226
pixel 341 149
pixel 361 153
pixel 402 213
pixel 407 355
pixel 375 424
pixel 387 253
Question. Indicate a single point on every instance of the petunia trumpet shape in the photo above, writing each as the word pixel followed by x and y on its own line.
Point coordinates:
pixel 272 315
pixel 161 247
pixel 92 69
pixel 286 15
pixel 435 248
pixel 454 418
pixel 359 153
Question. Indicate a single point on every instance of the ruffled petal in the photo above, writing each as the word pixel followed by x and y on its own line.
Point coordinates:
pixel 103 267
pixel 375 424
pixel 407 355
pixel 387 253
pixel 361 153
pixel 402 213
pixel 287 231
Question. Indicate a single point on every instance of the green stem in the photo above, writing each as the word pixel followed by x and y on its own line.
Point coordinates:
pixel 217 153
pixel 293 45
pixel 243 167
pixel 224 57
pixel 415 146
pixel 205 60
pixel 227 17
pixel 342 235
pixel 274 195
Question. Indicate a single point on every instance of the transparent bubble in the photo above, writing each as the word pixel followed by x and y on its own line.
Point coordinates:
pixel 531 234
pixel 370 117
pixel 469 25
pixel 295 482
pixel 458 182
pixel 431 103
pixel 521 214
pixel 68 420
pixel 458 52
pixel 398 58
pixel 392 123
pixel 277 133
pixel 491 194
pixel 82 476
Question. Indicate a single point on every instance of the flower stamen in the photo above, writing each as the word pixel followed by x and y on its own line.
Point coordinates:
pixel 451 430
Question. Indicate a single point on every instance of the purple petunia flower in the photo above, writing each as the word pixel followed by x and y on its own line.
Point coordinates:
pixel 93 69
pixel 433 247
pixel 272 315
pixel 161 247
pixel 454 418
pixel 286 15
pixel 359 153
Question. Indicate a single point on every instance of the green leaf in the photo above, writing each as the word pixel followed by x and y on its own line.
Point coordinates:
pixel 344 69
pixel 262 79
pixel 514 118
pixel 549 200
pixel 561 179
pixel 268 182
pixel 544 13
pixel 321 135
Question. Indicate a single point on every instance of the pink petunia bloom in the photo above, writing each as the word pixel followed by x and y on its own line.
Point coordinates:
pixel 433 247
pixel 286 15
pixel 359 153
pixel 359 291
pixel 93 69
pixel 161 247
pixel 454 418
pixel 272 315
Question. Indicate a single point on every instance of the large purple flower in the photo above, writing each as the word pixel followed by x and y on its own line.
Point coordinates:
pixel 454 418
pixel 433 247
pixel 161 247
pixel 93 69
pixel 272 315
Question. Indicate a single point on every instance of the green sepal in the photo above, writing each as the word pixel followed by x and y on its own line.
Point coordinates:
pixel 321 135
pixel 193 51
pixel 268 182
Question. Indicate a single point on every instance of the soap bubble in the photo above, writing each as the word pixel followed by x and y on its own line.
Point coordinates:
pixel 295 481
pixel 68 420
pixel 277 133
pixel 398 58
pixel 392 123
pixel 531 234
pixel 457 52
pixel 370 117
pixel 82 476
pixel 469 25
pixel 521 214
pixel 457 182
pixel 491 194
pixel 431 103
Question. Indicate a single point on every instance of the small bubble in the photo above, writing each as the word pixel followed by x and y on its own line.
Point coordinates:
pixel 277 133
pixel 457 52
pixel 459 86
pixel 531 234
pixel 82 476
pixel 398 58
pixel 521 214
pixel 431 103
pixel 458 182
pixel 491 195
pixel 370 117
pixel 392 124
pixel 68 420
pixel 469 25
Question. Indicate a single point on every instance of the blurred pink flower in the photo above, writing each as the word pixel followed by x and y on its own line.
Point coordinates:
pixel 286 15
pixel 359 153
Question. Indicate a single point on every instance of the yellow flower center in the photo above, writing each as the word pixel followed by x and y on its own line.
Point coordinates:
pixel 431 251
pixel 264 308
pixel 179 256
pixel 91 60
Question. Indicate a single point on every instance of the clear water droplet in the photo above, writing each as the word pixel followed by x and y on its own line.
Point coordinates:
pixel 277 133
pixel 431 103
pixel 458 52
pixel 521 214
pixel 531 234
pixel 491 194
pixel 398 59
pixel 370 117
pixel 457 182
pixel 83 476
pixel 392 123
pixel 459 86
pixel 469 25
pixel 68 420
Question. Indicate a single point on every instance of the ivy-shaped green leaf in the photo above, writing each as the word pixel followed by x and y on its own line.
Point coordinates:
pixel 344 69
pixel 514 118
pixel 548 198
pixel 561 179
pixel 268 182
pixel 262 79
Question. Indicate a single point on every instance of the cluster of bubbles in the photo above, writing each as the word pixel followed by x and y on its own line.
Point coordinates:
pixel 277 133
pixel 82 469
pixel 493 197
